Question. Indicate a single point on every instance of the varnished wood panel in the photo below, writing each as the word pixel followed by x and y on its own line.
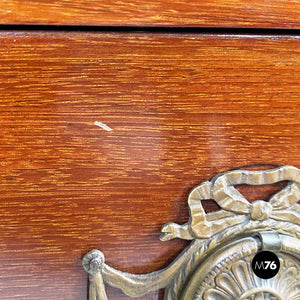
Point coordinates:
pixel 182 108
pixel 198 13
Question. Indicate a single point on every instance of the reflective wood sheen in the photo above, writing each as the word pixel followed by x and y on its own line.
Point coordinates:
pixel 182 108
pixel 197 13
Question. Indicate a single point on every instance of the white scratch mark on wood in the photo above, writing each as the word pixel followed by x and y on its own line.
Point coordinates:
pixel 103 126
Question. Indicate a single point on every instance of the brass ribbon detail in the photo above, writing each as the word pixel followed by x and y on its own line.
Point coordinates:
pixel 235 208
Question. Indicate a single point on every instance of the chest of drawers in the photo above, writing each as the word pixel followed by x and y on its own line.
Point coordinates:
pixel 105 128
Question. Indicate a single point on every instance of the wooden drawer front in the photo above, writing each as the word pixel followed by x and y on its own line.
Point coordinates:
pixel 182 108
pixel 197 13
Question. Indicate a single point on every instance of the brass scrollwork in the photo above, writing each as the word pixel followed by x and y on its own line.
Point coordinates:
pixel 231 235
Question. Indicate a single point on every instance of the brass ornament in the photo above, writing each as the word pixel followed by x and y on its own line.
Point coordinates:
pixel 216 265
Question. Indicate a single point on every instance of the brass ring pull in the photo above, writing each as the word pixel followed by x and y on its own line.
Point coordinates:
pixel 223 243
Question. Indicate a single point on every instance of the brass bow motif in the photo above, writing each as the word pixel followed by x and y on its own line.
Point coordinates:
pixel 235 209
pixel 237 217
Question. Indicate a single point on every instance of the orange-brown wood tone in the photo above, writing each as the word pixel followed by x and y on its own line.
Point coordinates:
pixel 182 108
pixel 198 13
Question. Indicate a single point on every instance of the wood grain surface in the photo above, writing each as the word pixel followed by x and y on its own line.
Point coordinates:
pixel 182 108
pixel 197 13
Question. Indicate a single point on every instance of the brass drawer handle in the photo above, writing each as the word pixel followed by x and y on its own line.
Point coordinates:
pixel 224 242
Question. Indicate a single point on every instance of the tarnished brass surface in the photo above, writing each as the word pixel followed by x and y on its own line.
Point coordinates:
pixel 227 274
pixel 270 241
pixel 224 243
